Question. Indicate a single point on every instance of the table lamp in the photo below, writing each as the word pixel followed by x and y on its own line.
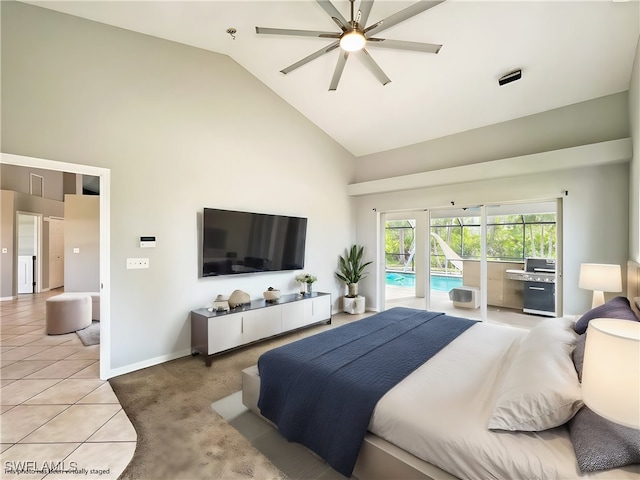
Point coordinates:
pixel 611 370
pixel 600 278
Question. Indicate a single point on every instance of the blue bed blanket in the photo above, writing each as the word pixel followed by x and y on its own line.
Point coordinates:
pixel 321 391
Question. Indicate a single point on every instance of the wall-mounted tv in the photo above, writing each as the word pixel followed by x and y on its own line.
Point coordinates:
pixel 235 242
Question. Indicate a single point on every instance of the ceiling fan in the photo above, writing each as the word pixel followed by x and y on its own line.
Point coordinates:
pixel 355 35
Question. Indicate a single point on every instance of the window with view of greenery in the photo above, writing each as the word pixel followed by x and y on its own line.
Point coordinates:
pixel 509 238
pixel 399 241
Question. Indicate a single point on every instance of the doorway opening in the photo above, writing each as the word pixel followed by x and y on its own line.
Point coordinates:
pixel 103 175
pixel 29 274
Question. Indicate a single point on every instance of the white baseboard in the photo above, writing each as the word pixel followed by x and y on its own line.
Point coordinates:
pixel 114 372
pixel 3 299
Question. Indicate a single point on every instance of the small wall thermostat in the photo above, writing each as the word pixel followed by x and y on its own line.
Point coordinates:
pixel 147 242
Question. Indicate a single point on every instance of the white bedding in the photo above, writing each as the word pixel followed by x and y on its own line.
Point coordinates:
pixel 440 413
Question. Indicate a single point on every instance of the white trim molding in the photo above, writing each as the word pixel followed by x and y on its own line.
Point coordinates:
pixel 148 363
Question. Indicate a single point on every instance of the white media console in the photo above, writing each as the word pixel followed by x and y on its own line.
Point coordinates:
pixel 214 332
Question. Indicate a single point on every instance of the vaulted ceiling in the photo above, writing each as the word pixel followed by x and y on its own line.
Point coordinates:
pixel 568 51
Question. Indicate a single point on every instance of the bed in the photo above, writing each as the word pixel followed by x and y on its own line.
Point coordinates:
pixel 512 410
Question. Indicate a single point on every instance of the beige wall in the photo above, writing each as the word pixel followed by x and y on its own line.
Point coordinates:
pixel 82 232
pixel 594 121
pixel 179 129
pixel 8 288
pixel 17 179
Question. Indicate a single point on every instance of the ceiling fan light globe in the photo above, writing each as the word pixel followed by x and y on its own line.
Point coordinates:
pixel 352 41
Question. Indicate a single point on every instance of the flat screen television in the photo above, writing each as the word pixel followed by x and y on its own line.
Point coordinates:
pixel 235 242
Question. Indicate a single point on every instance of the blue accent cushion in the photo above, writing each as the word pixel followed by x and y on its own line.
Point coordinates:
pixel 617 307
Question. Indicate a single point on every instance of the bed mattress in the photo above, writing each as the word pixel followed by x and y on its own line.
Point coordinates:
pixel 440 414
pixel 321 391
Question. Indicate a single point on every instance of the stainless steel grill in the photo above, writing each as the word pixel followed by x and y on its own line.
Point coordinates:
pixel 539 276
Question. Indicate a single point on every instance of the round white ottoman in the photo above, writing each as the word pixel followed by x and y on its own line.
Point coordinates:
pixel 95 302
pixel 68 313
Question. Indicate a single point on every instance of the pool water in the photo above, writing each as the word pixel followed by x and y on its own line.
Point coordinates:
pixel 441 283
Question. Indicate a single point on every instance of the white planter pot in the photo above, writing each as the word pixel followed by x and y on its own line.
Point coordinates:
pixel 353 305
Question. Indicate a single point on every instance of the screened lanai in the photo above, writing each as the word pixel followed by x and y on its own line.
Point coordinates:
pixel 424 264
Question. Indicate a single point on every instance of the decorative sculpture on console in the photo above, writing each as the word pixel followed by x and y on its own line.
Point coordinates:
pixel 238 297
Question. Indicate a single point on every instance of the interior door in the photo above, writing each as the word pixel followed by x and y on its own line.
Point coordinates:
pixel 56 253
pixel 28 252
pixel 25 274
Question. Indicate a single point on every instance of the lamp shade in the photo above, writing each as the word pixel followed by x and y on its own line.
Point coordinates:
pixel 601 277
pixel 611 370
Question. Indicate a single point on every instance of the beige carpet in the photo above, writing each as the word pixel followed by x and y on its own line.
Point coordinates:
pixel 179 435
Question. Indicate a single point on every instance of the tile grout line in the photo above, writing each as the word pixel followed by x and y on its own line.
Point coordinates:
pixel 19 442
pixel 57 442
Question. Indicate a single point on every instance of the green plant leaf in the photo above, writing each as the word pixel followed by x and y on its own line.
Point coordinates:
pixel 351 266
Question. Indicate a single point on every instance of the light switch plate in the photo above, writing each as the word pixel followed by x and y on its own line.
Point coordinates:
pixel 135 263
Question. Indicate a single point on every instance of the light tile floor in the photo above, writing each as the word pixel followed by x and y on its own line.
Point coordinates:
pixel 58 419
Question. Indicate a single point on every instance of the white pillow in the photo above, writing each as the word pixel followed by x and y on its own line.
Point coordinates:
pixel 541 388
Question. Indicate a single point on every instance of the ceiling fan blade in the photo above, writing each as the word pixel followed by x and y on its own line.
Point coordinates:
pixel 298 33
pixel 402 45
pixel 373 67
pixel 335 15
pixel 402 15
pixel 365 10
pixel 342 60
pixel 308 58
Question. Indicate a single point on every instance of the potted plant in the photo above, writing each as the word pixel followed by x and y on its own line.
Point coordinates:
pixel 306 282
pixel 351 272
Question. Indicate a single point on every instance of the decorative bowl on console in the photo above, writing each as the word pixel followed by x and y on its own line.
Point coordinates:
pixel 220 304
pixel 238 297
pixel 271 294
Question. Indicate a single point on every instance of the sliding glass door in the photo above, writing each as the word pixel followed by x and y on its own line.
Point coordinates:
pixel 455 251
pixel 472 261
pixel 404 278
pixel 487 250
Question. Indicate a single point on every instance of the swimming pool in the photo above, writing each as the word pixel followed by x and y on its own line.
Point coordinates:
pixel 441 283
